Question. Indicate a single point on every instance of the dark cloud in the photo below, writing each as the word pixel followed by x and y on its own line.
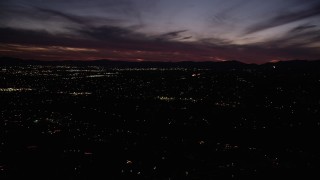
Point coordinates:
pixel 100 38
pixel 223 15
pixel 128 38
pixel 10 35
pixel 174 35
pixel 285 18
pixel 112 33
pixel 302 39
pixel 43 15
pixel 300 36
pixel 106 37
pixel 73 18
pixel 187 37
pixel 214 41
pixel 302 28
pixel 82 20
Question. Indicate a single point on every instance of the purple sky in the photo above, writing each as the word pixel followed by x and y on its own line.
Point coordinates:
pixel 253 31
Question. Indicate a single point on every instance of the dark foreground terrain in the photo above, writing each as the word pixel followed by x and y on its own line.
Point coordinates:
pixel 95 122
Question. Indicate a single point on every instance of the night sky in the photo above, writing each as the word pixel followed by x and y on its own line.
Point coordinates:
pixel 252 31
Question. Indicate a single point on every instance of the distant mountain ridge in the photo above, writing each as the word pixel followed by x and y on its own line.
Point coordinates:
pixel 224 65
